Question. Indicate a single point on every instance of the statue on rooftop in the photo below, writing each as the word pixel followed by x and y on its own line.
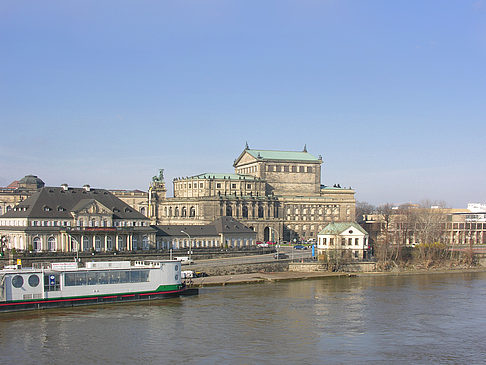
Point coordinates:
pixel 159 178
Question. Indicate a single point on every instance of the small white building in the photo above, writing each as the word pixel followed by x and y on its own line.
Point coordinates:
pixel 343 237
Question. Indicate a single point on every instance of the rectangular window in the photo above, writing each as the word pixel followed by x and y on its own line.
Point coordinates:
pixel 294 168
pixel 309 169
pixel 331 241
pixel 301 169
pixel 356 241
pixel 218 186
pixel 324 240
pixel 248 186
pixel 201 185
pixel 277 169
pixel 350 241
pixel 233 186
pixel 286 169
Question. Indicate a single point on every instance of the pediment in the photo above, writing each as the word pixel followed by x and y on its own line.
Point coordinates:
pixel 91 206
pixel 244 159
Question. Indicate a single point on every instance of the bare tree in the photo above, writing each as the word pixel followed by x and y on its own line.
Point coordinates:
pixel 382 249
pixel 362 210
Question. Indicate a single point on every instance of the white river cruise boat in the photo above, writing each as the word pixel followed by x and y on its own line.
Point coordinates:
pixel 66 284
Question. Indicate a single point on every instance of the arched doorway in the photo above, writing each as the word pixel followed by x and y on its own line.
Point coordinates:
pixel 266 234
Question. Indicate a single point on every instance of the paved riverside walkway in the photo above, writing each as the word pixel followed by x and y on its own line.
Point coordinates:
pixel 262 277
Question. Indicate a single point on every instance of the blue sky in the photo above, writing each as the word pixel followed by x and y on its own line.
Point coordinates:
pixel 392 94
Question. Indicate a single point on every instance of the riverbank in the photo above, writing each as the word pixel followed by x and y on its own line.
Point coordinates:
pixel 262 277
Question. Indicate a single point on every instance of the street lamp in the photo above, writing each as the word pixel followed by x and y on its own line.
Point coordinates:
pixel 190 244
pixel 276 243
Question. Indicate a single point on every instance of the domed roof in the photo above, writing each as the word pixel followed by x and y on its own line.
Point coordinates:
pixel 31 180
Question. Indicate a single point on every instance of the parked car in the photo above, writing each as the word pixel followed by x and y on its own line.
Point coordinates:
pixel 185 260
pixel 300 247
pixel 280 256
pixel 187 274
pixel 262 244
pixel 200 274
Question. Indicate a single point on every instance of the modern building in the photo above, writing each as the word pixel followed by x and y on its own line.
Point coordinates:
pixel 342 238
pixel 410 225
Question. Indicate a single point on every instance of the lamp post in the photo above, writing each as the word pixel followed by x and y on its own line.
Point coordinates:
pixel 276 243
pixel 190 244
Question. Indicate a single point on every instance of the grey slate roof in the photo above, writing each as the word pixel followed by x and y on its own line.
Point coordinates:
pixel 225 225
pixel 57 203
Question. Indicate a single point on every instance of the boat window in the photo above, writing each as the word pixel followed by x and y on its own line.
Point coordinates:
pixel 17 281
pixel 33 280
pixel 135 276
pixel 52 282
pixel 104 277
pixel 124 277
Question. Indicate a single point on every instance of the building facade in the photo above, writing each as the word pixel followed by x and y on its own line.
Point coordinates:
pixel 224 232
pixel 75 219
pixel 345 239
pixel 18 191
pixel 278 194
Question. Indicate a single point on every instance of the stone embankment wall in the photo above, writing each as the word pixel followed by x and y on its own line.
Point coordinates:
pixel 240 269
pixel 317 266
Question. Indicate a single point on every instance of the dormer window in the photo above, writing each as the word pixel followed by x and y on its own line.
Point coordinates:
pixel 47 209
pixel 60 209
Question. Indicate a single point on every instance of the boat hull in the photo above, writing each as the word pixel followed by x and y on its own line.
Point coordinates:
pixel 92 300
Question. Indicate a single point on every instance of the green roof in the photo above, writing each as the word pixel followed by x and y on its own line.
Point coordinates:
pixel 340 227
pixel 223 176
pixel 283 155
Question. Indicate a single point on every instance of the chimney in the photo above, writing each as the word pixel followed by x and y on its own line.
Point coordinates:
pixel 64 187
pixel 86 187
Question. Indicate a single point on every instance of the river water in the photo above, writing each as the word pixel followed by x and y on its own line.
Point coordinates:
pixel 416 319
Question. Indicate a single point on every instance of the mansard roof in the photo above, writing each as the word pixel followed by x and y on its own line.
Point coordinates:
pixel 270 155
pixel 340 227
pixel 58 203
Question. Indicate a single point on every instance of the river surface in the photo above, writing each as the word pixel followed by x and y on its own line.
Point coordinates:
pixel 416 319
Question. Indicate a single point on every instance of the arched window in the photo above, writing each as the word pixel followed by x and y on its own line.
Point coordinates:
pixel 1 210
pixel 165 211
pixel 135 243
pixel 98 243
pixel 170 212
pixel 260 212
pixel 37 244
pixel 142 210
pixel 109 243
pixel 145 243
pixel 8 209
pixel 245 211
pixel 229 211
pixel 184 212
pixel 192 212
pixel 176 212
pixel 51 244
pixel 121 243
pixel 86 243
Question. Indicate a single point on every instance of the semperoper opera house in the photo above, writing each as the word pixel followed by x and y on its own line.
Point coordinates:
pixel 278 194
